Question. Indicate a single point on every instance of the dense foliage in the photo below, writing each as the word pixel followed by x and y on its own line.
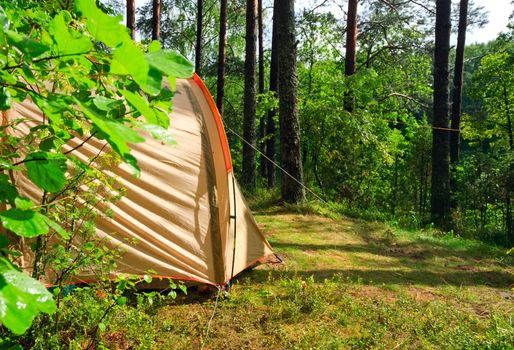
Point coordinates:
pixel 80 67
pixel 376 161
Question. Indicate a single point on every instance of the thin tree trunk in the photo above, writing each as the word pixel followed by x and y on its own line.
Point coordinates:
pixel 222 57
pixel 351 51
pixel 131 18
pixel 262 121
pixel 249 134
pixel 292 189
pixel 156 20
pixel 199 28
pixel 440 201
pixel 273 87
pixel 457 97
pixel 509 118
pixel 457 83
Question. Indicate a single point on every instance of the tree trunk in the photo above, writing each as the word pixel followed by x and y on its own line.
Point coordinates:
pixel 262 121
pixel 457 97
pixel 440 201
pixel 292 190
pixel 222 56
pixel 131 18
pixel 199 27
pixel 249 134
pixel 351 51
pixel 273 87
pixel 457 83
pixel 156 20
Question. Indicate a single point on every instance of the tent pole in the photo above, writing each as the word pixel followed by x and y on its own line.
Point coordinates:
pixel 234 217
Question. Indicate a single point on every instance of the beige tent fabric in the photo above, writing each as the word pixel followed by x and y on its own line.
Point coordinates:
pixel 185 210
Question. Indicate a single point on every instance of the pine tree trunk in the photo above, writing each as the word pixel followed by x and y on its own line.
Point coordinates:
pixel 351 51
pixel 457 83
pixel 262 121
pixel 199 27
pixel 131 18
pixel 292 190
pixel 249 134
pixel 222 57
pixel 273 86
pixel 440 202
pixel 457 98
pixel 156 20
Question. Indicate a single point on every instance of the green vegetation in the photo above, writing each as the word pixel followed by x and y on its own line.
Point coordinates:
pixel 75 63
pixel 348 283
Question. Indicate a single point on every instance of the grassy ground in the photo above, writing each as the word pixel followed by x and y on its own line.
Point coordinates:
pixel 350 284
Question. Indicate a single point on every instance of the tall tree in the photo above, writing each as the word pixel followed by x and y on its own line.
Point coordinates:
pixel 156 20
pixel 249 134
pixel 440 201
pixel 222 56
pixel 458 76
pixel 351 50
pixel 199 27
pixel 457 83
pixel 273 87
pixel 292 189
pixel 262 121
pixel 131 17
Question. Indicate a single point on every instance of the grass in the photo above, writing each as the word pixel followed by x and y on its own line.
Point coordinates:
pixel 352 284
pixel 345 284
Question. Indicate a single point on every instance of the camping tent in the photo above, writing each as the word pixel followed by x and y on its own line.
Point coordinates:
pixel 185 212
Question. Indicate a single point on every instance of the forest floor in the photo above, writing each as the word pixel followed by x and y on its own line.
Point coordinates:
pixel 347 283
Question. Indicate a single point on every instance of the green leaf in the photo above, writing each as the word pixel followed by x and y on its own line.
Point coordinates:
pixel 58 229
pixel 4 242
pixel 147 278
pixel 129 59
pixel 183 288
pixel 25 223
pixel 5 99
pixel 141 105
pixel 7 191
pixel 116 133
pixel 170 63
pixel 22 298
pixel 4 20
pixel 68 41
pixel 102 27
pixel 122 301
pixel 106 104
pixel 28 46
pixel 160 133
pixel 155 45
pixel 23 203
pixel 47 170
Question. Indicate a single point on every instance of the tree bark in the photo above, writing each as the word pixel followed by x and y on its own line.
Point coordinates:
pixel 156 20
pixel 273 87
pixel 199 27
pixel 262 121
pixel 249 134
pixel 131 18
pixel 351 51
pixel 440 201
pixel 292 190
pixel 457 83
pixel 222 57
pixel 458 76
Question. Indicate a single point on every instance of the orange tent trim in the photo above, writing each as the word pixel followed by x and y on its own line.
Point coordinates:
pixel 219 123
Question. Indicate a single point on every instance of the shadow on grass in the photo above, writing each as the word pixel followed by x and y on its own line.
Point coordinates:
pixel 494 279
pixel 417 251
